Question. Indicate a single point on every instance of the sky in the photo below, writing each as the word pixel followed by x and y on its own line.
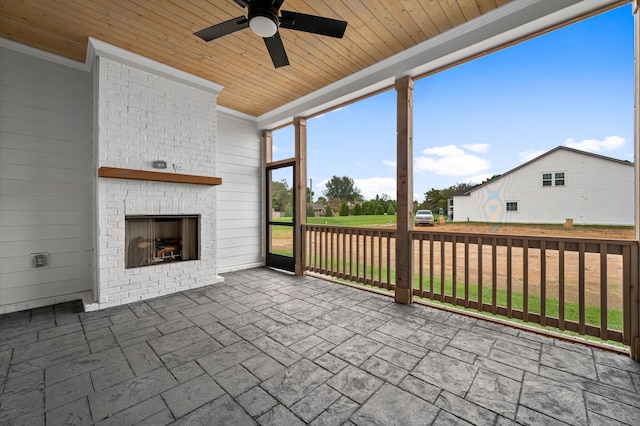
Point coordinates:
pixel 572 87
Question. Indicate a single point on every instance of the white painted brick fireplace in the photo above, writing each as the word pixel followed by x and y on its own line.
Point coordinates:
pixel 145 111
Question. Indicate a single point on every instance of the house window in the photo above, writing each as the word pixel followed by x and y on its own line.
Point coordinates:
pixel 512 206
pixel 546 179
pixel 559 179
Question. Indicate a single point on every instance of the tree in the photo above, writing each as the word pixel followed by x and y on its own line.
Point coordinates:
pixel 391 210
pixel 321 200
pixel 343 188
pixel 436 199
pixel 357 210
pixel 344 209
pixel 379 210
pixel 281 195
pixel 328 212
pixel 368 208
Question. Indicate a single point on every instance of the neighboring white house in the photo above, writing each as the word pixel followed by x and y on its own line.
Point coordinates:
pixel 561 184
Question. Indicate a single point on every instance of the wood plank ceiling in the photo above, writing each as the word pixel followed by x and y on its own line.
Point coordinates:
pixel 162 30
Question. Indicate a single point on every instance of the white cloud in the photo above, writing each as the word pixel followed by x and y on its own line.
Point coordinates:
pixel 390 163
pixel 530 154
pixel 450 160
pixel 477 147
pixel 371 187
pixel 607 144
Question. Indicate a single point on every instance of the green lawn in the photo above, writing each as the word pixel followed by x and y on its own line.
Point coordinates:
pixel 372 220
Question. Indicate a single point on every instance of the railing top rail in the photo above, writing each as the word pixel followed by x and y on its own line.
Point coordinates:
pixel 415 234
pixel 357 228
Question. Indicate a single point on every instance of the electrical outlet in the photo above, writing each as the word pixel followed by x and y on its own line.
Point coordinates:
pixel 177 166
pixel 39 260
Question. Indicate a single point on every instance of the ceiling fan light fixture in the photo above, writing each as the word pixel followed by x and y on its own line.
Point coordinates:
pixel 264 24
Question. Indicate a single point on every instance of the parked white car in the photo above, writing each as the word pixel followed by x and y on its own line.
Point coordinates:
pixel 424 217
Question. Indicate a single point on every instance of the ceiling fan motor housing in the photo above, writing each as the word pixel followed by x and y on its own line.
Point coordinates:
pixel 263 19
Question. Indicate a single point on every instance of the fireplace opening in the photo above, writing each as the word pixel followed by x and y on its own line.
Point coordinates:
pixel 152 240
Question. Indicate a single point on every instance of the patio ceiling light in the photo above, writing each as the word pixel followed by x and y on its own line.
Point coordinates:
pixel 263 22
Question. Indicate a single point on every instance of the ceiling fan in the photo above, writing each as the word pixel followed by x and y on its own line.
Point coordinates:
pixel 265 17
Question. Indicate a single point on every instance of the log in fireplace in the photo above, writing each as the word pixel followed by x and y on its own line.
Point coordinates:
pixel 152 240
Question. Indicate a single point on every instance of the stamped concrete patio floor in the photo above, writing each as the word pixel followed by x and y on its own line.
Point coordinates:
pixel 273 349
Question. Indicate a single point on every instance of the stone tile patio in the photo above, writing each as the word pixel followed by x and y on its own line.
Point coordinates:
pixel 272 349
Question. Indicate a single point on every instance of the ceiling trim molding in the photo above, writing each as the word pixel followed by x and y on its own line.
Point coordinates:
pixel 98 48
pixel 513 21
pixel 237 114
pixel 41 54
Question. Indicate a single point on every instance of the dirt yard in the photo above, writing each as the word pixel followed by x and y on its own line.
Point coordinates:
pixel 578 231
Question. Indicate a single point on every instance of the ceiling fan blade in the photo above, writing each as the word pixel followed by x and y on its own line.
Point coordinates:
pixel 277 4
pixel 242 3
pixel 223 28
pixel 276 51
pixel 312 24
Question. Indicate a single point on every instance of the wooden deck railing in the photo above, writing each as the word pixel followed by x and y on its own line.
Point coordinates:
pixel 361 255
pixel 573 284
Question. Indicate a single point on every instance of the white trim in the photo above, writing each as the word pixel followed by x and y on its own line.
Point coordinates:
pixel 235 268
pixel 237 114
pixel 512 21
pixel 41 54
pixel 85 296
pixel 99 48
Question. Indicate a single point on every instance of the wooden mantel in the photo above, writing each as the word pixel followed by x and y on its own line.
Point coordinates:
pixel 118 173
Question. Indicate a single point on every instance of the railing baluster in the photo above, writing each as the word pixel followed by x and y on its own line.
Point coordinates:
pixel 603 292
pixel 431 292
pixel 454 267
pixel 357 256
pixel 480 304
pixel 525 280
pixel 543 282
pixel 581 289
pixel 351 254
pixel 365 265
pixel 325 253
pixel 466 271
pixel 442 269
pixel 389 266
pixel 509 277
pixel 380 258
pixel 494 276
pixel 421 265
pixel 561 283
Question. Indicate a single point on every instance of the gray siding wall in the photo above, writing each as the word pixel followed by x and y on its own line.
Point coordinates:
pixel 240 204
pixel 46 201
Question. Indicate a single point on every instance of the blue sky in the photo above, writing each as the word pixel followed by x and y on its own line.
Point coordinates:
pixel 571 87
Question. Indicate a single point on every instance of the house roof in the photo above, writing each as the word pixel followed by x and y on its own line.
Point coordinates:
pixel 384 40
pixel 546 154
